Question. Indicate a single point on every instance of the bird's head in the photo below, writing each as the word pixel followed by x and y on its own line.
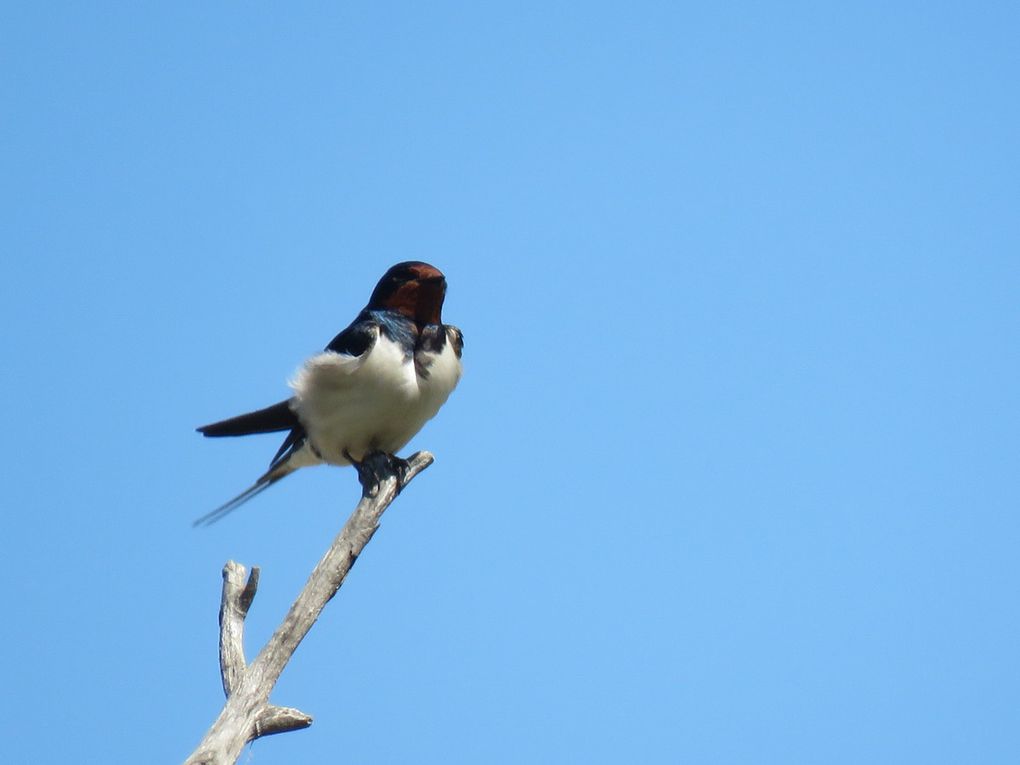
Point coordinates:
pixel 414 289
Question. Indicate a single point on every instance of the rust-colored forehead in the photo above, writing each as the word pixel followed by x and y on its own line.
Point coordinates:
pixel 425 271
pixel 413 288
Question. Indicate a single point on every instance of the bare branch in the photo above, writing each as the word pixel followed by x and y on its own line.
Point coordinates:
pixel 247 714
pixel 280 720
pixel 234 604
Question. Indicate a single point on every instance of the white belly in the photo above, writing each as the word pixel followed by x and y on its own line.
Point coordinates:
pixel 376 401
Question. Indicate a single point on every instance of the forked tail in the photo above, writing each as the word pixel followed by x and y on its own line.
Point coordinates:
pixel 264 481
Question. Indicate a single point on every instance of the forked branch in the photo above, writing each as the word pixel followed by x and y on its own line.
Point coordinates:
pixel 247 714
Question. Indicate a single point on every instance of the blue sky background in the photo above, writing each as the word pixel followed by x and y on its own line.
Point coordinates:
pixel 732 473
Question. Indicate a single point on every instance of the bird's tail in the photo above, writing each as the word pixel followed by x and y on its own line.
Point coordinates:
pixel 264 481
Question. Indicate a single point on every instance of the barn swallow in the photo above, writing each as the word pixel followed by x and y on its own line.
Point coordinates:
pixel 373 387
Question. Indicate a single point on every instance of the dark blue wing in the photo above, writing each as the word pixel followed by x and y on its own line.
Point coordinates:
pixel 357 338
pixel 272 419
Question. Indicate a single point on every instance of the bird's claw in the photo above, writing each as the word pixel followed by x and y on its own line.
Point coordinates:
pixel 376 466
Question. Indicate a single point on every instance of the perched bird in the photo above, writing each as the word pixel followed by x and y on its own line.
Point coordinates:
pixel 376 384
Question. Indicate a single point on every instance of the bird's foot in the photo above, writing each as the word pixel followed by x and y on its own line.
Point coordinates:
pixel 402 468
pixel 374 467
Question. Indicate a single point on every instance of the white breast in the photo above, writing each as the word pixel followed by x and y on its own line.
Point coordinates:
pixel 442 373
pixel 376 401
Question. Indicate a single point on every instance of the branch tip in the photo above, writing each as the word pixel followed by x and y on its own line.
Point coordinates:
pixel 276 719
pixel 247 595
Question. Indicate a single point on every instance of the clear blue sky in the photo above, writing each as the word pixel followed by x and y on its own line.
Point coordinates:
pixel 732 475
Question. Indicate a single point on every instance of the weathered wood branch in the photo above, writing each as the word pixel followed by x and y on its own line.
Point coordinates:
pixel 234 604
pixel 247 714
